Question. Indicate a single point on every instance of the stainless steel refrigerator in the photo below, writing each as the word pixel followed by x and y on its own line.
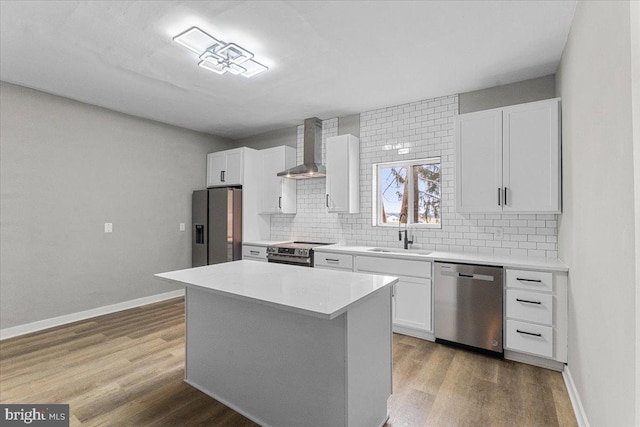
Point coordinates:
pixel 217 226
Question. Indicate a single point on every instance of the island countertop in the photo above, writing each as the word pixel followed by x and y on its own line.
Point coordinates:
pixel 319 293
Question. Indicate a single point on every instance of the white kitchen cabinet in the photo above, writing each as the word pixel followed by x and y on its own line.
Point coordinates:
pixel 343 174
pixel 536 315
pixel 254 252
pixel 225 168
pixel 479 161
pixel 277 195
pixel 412 295
pixel 331 261
pixel 412 303
pixel 529 338
pixel 508 159
pixel 240 167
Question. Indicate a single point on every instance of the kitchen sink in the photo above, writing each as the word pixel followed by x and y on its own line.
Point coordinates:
pixel 400 251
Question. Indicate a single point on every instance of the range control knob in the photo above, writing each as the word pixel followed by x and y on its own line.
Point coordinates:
pixel 304 252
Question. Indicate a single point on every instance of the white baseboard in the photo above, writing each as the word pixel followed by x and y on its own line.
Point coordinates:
pixel 416 333
pixel 82 315
pixel 534 360
pixel 578 409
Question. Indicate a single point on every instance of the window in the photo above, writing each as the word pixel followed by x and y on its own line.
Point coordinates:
pixel 408 192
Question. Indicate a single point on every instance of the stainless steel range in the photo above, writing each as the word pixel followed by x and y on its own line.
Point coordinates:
pixel 294 253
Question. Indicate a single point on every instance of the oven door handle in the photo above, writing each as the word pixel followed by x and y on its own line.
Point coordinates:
pixel 280 259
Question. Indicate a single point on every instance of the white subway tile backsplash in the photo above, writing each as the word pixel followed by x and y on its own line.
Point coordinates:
pixel 426 129
pixel 537 253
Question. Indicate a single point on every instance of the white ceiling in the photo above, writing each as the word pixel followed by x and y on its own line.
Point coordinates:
pixel 326 58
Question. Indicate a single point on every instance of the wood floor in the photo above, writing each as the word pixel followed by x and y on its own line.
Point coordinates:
pixel 127 369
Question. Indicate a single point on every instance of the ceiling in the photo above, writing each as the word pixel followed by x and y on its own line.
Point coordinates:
pixel 326 58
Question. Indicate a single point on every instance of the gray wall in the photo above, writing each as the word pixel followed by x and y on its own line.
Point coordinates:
pixel 494 97
pixel 635 76
pixel 274 138
pixel 66 169
pixel 511 94
pixel 288 136
pixel 349 125
pixel 596 230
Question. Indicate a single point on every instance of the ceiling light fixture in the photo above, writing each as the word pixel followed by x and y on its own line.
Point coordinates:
pixel 218 56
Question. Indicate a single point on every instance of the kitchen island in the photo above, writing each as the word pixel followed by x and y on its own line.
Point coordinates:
pixel 289 346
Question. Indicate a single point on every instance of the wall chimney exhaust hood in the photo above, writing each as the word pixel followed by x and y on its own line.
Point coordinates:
pixel 312 161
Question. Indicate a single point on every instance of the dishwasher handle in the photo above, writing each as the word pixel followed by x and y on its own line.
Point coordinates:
pixel 469 273
pixel 484 277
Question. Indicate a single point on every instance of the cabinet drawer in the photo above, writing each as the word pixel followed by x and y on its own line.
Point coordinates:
pixel 393 266
pixel 532 280
pixel 341 261
pixel 530 306
pixel 250 251
pixel 529 338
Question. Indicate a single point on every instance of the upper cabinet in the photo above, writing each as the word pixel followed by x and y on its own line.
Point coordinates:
pixel 343 174
pixel 225 168
pixel 508 159
pixel 479 162
pixel 241 167
pixel 277 194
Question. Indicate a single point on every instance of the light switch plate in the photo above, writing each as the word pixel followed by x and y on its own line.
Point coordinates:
pixel 108 227
pixel 182 226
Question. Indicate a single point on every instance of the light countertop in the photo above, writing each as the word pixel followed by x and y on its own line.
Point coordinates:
pixel 320 293
pixel 264 243
pixel 538 263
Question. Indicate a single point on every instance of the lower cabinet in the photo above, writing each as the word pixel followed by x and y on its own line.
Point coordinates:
pixel 255 253
pixel 535 304
pixel 529 338
pixel 412 295
pixel 329 261
pixel 536 313
pixel 412 303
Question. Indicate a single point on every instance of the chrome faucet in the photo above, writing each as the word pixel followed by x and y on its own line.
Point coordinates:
pixel 407 242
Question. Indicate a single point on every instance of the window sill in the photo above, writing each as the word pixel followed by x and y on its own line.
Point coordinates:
pixel 411 226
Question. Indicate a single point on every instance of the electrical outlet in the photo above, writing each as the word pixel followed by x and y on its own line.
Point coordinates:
pixel 108 227
pixel 182 228
pixel 498 234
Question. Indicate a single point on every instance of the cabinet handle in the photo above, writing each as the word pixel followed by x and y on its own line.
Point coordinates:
pixel 527 301
pixel 528 333
pixel 505 196
pixel 327 200
pixel 280 202
pixel 221 176
pixel 254 252
pixel 529 280
pixel 332 260
pixel 499 195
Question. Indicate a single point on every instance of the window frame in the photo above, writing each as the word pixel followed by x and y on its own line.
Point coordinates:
pixel 377 186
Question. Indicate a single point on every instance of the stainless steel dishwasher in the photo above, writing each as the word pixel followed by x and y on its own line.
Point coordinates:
pixel 468 307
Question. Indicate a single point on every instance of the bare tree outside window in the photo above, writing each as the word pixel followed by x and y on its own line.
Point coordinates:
pixel 401 192
pixel 395 195
pixel 426 194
